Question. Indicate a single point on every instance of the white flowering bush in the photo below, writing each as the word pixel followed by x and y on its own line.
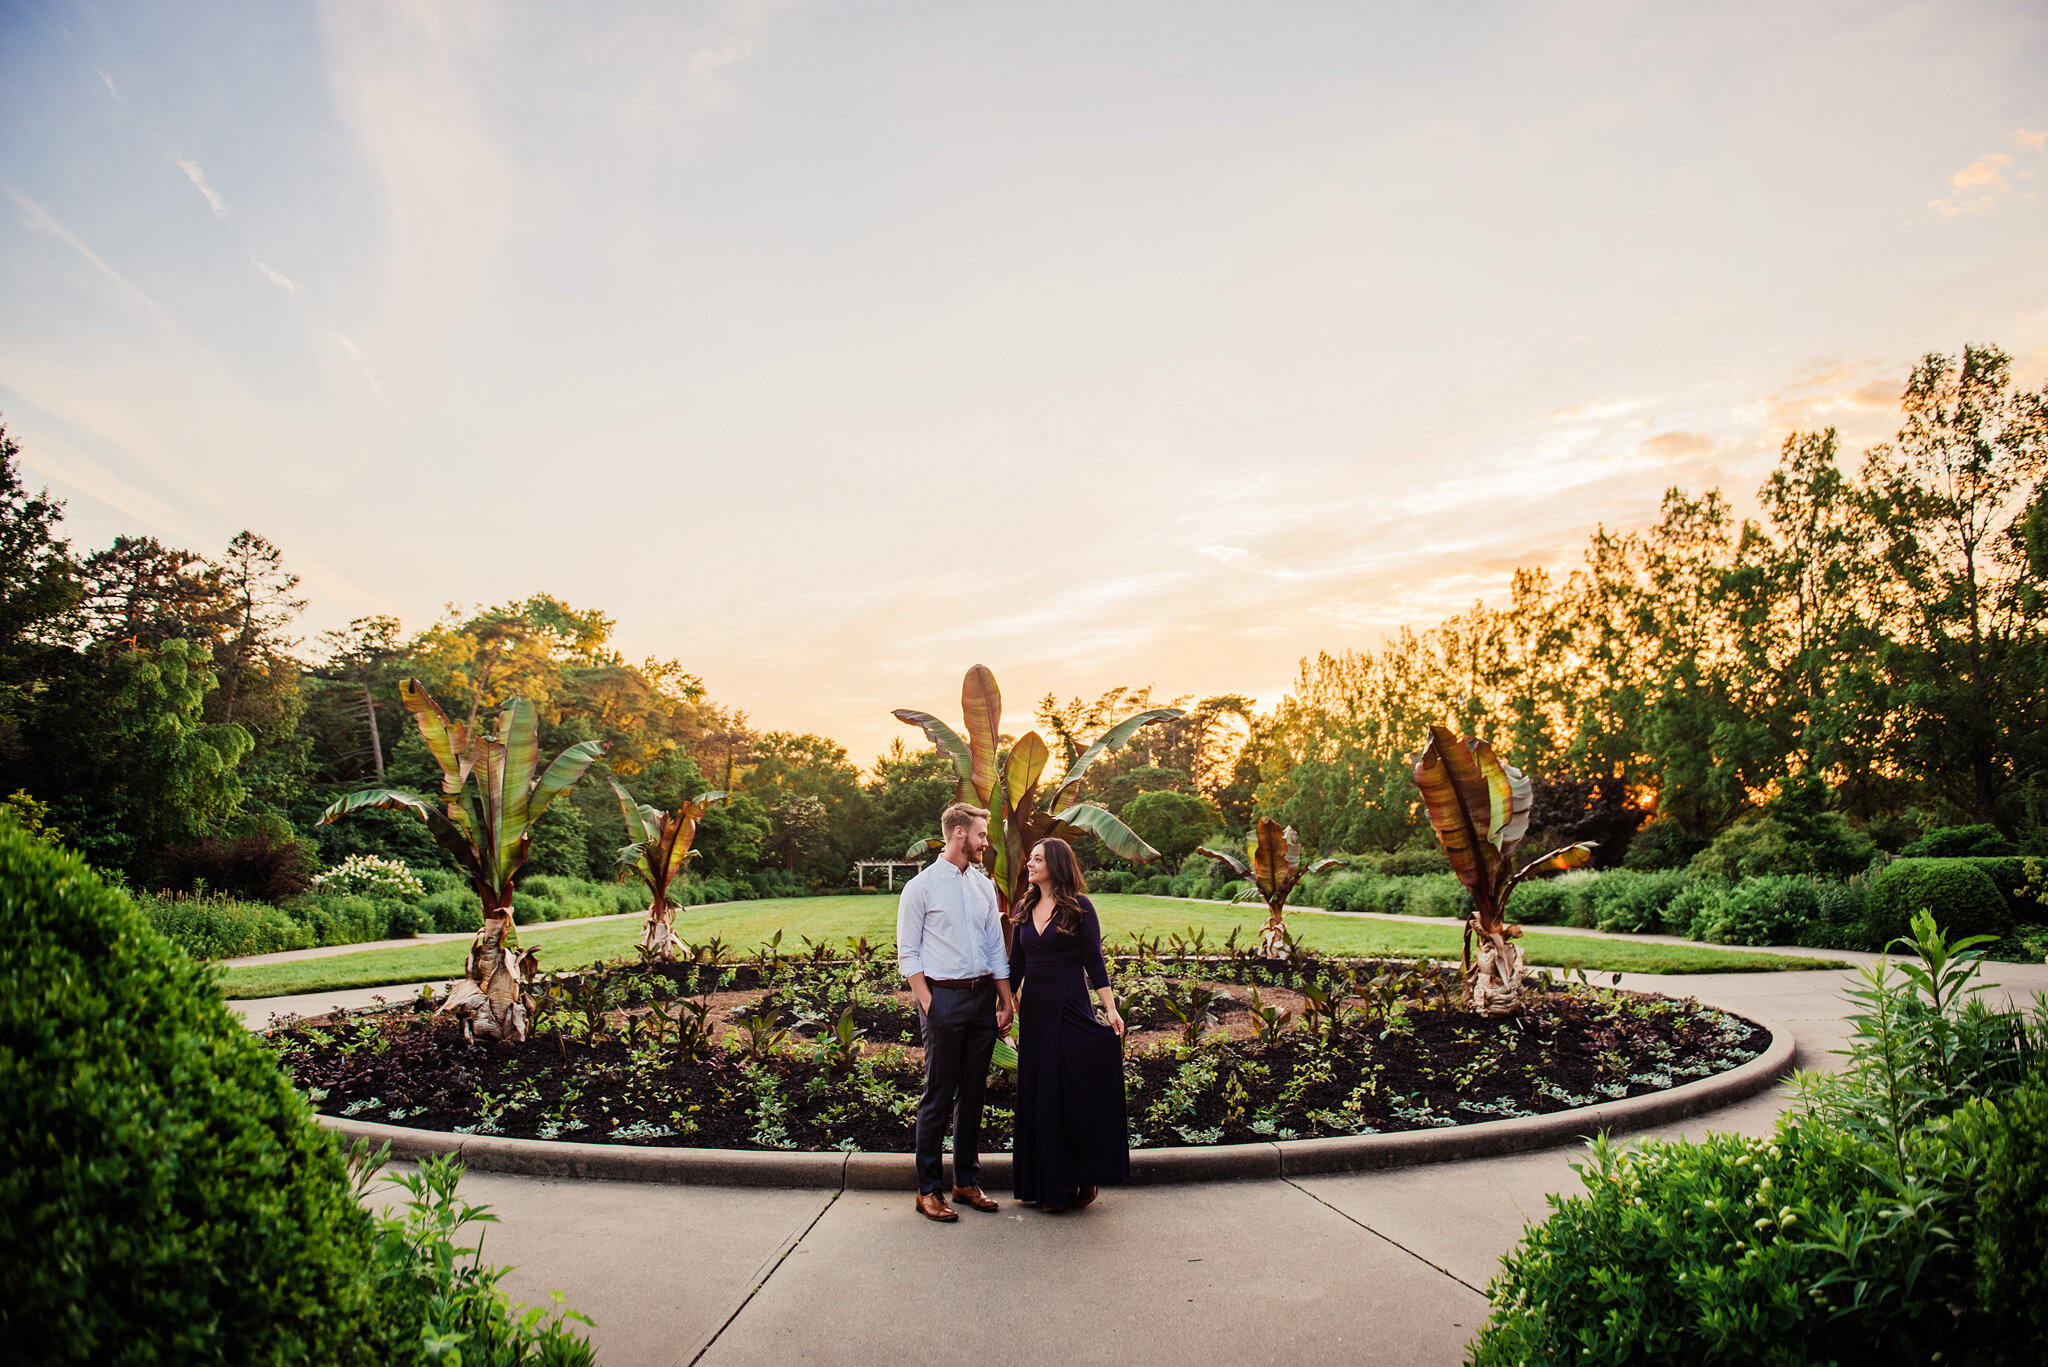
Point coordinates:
pixel 373 876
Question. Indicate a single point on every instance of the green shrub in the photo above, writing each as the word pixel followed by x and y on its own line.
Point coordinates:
pixel 165 1195
pixel 698 892
pixel 344 918
pixel 1769 844
pixel 1575 889
pixel 2012 1225
pixel 1960 896
pixel 1960 842
pixel 1631 901
pixel 1539 902
pixel 1834 1240
pixel 1685 906
pixel 1414 861
pixel 454 910
pixel 224 928
pixel 1347 891
pixel 1432 894
pixel 2009 875
pixel 1843 918
pixel 441 880
pixel 1702 1252
pixel 1760 911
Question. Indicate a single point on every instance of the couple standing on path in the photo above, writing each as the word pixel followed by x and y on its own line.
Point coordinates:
pixel 1071 1136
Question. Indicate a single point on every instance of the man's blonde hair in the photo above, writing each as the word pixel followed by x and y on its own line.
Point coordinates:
pixel 959 817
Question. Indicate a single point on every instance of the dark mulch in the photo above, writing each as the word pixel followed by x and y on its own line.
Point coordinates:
pixel 1423 1063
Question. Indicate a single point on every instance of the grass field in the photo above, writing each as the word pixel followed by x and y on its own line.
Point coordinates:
pixel 747 924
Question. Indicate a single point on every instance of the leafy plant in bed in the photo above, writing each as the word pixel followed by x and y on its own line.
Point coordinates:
pixel 814 1051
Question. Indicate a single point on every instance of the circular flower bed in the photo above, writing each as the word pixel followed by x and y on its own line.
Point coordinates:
pixel 818 1052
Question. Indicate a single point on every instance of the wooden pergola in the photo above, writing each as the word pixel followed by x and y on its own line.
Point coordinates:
pixel 861 867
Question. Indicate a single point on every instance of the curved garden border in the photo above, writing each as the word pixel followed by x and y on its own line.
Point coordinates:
pixel 1214 1163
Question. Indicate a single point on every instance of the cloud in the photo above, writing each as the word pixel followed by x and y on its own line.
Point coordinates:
pixel 109 80
pixel 80 472
pixel 2026 137
pixel 1672 447
pixel 1975 188
pixel 1596 408
pixel 277 278
pixel 376 385
pixel 1237 557
pixel 197 176
pixel 38 219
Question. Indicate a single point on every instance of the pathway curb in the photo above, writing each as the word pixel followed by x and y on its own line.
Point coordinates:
pixel 1211 1163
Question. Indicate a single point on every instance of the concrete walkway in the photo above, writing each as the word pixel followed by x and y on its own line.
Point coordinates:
pixel 1384 1267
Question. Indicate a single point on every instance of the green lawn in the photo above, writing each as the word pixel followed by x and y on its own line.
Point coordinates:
pixel 747 924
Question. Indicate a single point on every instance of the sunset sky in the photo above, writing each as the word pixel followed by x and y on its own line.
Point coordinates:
pixel 832 348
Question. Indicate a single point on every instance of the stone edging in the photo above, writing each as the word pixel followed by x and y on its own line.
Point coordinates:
pixel 1212 1163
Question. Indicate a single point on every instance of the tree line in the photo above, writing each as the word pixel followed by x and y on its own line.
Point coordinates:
pixel 1860 661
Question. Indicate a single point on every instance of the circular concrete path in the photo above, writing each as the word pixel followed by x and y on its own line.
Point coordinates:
pixel 1373 1267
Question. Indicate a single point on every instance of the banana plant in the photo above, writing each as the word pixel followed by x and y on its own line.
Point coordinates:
pixel 1479 808
pixel 487 829
pixel 1023 807
pixel 1273 865
pixel 660 850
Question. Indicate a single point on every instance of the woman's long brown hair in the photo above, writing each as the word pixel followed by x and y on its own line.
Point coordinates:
pixel 1063 871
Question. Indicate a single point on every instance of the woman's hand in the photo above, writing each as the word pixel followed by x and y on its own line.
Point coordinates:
pixel 1116 1022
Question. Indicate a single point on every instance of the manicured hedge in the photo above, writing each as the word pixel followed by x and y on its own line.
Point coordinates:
pixel 164 1194
pixel 1959 893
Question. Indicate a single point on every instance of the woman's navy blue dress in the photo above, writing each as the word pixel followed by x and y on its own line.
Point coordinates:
pixel 1071 1129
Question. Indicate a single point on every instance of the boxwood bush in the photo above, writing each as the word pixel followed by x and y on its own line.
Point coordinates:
pixel 164 1194
pixel 1959 894
pixel 166 1197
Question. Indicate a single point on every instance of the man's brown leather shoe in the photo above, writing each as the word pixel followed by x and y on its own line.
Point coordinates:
pixel 972 1196
pixel 933 1206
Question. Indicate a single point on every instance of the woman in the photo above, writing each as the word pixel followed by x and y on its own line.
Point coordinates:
pixel 1071 1133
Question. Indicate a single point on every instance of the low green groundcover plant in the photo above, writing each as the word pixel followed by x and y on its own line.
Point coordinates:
pixel 1899 1213
pixel 165 1196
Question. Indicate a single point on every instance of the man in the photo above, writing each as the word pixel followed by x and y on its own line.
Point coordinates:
pixel 949 944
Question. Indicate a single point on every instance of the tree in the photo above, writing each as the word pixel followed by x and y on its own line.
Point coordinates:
pixel 38 578
pixel 1949 499
pixel 139 592
pixel 1175 824
pixel 38 591
pixel 487 829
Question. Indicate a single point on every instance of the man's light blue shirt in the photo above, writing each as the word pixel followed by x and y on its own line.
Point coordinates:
pixel 949 924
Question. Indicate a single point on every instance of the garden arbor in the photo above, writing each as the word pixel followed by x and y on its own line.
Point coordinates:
pixel 486 826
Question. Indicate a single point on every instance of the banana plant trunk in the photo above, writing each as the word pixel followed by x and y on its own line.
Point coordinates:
pixel 491 999
pixel 1493 982
pixel 1273 938
pixel 658 934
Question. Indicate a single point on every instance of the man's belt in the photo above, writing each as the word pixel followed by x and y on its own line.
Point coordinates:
pixel 963 984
